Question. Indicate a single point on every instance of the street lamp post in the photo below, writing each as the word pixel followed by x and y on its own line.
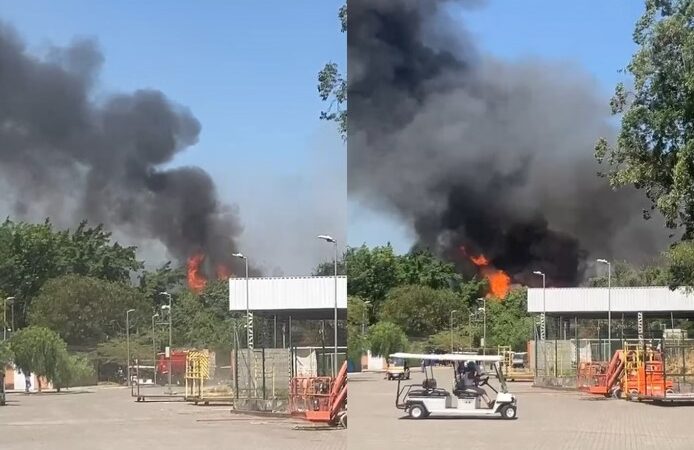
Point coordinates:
pixel 609 304
pixel 484 326
pixel 544 305
pixel 4 317
pixel 154 347
pixel 168 307
pixel 332 240
pixel 451 327
pixel 127 341
pixel 249 325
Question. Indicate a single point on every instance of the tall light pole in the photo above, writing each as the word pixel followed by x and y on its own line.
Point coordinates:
pixel 609 305
pixel 168 307
pixel 451 327
pixel 4 317
pixel 332 240
pixel 249 325
pixel 154 347
pixel 127 340
pixel 544 304
pixel 484 326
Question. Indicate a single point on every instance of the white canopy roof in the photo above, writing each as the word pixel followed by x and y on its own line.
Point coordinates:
pixel 448 357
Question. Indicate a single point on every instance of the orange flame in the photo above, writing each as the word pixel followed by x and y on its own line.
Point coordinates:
pixel 223 272
pixel 196 280
pixel 499 281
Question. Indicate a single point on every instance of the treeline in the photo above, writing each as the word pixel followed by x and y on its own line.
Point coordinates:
pixel 418 302
pixel 67 295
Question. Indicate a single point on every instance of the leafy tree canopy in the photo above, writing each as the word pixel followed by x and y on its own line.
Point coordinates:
pixel 32 254
pixel 420 310
pixel 85 310
pixel 386 338
pixel 38 350
pixel 655 147
pixel 332 87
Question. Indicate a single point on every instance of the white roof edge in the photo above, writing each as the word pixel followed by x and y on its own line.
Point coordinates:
pixel 447 357
pixel 288 278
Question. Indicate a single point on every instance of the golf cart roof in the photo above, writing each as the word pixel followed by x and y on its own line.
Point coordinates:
pixel 448 357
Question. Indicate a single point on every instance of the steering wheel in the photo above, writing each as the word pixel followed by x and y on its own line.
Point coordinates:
pixel 483 380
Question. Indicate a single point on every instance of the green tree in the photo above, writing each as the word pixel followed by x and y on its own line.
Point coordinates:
pixel 38 350
pixel 116 350
pixel 6 355
pixel 655 146
pixel 163 279
pixel 386 338
pixel 627 275
pixel 72 369
pixel 204 320
pixel 508 321
pixel 31 254
pixel 422 268
pixel 420 310
pixel 444 341
pixel 357 324
pixel 371 273
pixel 332 87
pixel 85 310
pixel 680 269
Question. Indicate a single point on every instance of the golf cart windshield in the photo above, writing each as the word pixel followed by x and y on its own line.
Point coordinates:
pixel 396 362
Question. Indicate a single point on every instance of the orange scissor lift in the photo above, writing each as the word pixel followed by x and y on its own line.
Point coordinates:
pixel 320 399
pixel 644 373
pixel 634 372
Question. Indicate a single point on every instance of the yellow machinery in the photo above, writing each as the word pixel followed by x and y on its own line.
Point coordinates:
pixel 197 373
pixel 514 365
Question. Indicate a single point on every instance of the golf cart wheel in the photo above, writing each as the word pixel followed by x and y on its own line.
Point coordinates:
pixel 508 412
pixel 417 412
pixel 343 420
pixel 617 393
pixel 669 392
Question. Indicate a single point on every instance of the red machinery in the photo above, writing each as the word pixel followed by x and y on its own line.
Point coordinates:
pixel 603 379
pixel 178 365
pixel 634 371
pixel 320 399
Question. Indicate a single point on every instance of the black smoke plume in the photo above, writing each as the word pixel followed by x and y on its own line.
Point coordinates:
pixel 69 153
pixel 491 155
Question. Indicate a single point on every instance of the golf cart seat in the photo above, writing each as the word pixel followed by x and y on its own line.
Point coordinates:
pixel 428 389
pixel 462 393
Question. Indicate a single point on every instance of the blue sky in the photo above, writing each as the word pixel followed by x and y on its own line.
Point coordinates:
pixel 593 34
pixel 247 70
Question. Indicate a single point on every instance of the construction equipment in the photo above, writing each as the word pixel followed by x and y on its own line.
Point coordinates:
pixel 426 400
pixel 515 365
pixel 644 373
pixel 198 371
pixel 635 372
pixel 603 379
pixel 320 399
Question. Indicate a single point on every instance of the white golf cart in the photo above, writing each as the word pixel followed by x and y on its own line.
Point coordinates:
pixel 426 400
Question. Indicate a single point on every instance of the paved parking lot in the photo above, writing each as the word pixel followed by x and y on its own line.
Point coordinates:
pixel 546 420
pixel 108 418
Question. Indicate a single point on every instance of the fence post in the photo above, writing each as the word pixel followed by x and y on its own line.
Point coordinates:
pixel 263 362
pixel 578 349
